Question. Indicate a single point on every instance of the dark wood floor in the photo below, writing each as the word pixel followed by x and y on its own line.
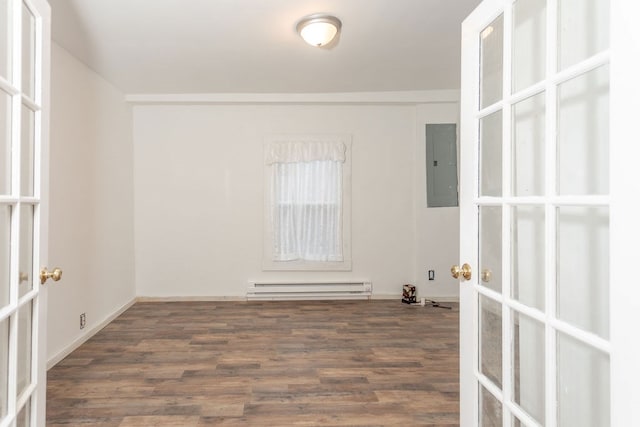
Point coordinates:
pixel 338 363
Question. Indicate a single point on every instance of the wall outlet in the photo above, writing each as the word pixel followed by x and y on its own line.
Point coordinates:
pixel 83 320
pixel 432 274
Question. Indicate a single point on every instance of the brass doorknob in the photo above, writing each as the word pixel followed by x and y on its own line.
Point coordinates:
pixel 56 275
pixel 464 271
pixel 486 275
pixel 23 277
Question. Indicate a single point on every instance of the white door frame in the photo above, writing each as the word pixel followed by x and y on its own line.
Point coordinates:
pixel 43 75
pixel 625 212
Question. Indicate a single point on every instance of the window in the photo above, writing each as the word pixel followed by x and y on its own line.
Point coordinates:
pixel 307 203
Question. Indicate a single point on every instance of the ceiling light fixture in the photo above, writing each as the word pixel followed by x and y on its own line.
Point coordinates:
pixel 319 29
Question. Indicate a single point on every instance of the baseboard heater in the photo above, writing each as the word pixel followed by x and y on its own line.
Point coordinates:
pixel 309 290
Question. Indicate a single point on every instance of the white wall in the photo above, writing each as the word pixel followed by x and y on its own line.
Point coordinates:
pixel 437 231
pixel 199 194
pixel 91 212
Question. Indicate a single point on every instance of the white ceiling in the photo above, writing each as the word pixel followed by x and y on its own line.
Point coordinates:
pixel 251 46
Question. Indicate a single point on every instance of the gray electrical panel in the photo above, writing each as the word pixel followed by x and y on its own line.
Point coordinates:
pixel 442 165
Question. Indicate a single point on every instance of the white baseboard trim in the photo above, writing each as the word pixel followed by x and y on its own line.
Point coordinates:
pixel 244 298
pixel 432 298
pixel 90 333
pixel 386 296
pixel 190 298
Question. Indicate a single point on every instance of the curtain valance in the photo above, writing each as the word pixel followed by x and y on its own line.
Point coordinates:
pixel 304 151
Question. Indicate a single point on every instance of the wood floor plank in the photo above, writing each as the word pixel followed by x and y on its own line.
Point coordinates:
pixel 172 420
pixel 325 363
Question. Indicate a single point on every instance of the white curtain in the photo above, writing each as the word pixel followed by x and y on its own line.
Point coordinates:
pixel 306 194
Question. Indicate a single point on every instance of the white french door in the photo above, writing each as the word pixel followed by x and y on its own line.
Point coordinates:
pixel 540 345
pixel 24 100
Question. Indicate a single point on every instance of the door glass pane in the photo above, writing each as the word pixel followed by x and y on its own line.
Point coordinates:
pixel 491 247
pixel 583 268
pixel 491 48
pixel 24 416
pixel 528 365
pixel 4 367
pixel 529 42
pixel 5 39
pixel 583 30
pixel 26 250
pixel 28 52
pixel 491 155
pixel 491 340
pixel 491 409
pixel 5 253
pixel 528 142
pixel 5 142
pixel 27 151
pixel 24 346
pixel 528 254
pixel 583 384
pixel 583 134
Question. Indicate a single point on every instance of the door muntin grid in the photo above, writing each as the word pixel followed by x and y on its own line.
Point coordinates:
pixel 554 211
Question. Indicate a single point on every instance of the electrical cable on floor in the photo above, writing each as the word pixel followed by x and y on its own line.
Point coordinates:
pixel 436 304
pixel 430 303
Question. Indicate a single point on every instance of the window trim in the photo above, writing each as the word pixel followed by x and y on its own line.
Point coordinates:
pixel 268 263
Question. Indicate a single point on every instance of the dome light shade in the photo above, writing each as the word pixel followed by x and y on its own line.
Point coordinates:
pixel 318 30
